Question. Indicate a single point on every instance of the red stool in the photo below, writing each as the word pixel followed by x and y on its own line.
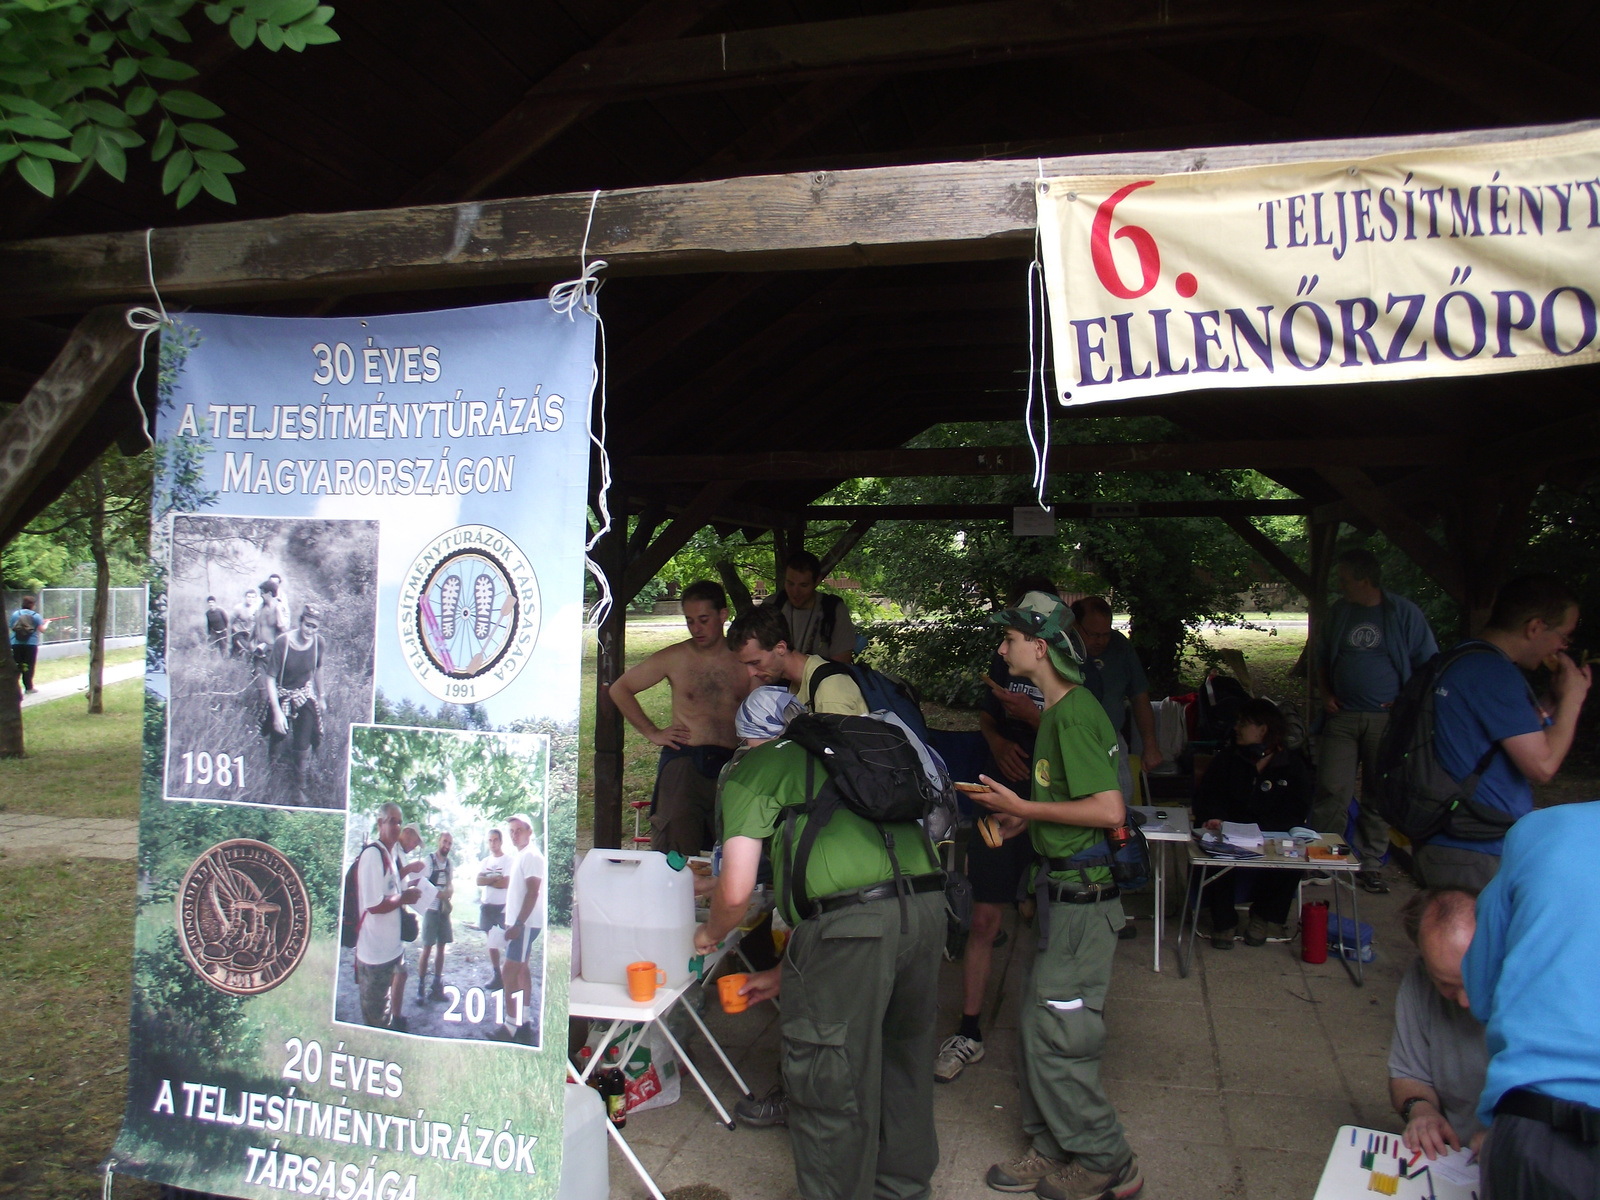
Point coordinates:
pixel 639 808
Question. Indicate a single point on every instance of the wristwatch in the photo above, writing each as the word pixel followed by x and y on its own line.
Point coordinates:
pixel 1405 1109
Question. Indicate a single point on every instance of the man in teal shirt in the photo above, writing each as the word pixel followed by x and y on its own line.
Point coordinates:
pixel 860 978
pixel 1079 1152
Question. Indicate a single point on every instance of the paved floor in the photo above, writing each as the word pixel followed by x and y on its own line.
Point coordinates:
pixel 78 683
pixel 1230 1083
pixel 76 837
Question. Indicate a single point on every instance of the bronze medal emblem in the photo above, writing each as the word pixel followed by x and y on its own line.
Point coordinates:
pixel 244 917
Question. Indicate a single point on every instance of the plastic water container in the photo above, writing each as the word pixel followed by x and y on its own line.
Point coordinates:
pixel 585 1159
pixel 633 907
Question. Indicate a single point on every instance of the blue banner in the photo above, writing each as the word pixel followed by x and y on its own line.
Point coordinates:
pixel 358 810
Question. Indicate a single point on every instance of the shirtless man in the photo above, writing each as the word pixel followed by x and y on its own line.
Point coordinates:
pixel 708 685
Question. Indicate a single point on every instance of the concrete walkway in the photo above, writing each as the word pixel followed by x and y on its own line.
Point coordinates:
pixel 75 837
pixel 1230 1084
pixel 79 683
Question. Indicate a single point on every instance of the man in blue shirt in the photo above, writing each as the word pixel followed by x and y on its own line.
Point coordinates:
pixel 1483 701
pixel 25 624
pixel 1532 975
pixel 1367 648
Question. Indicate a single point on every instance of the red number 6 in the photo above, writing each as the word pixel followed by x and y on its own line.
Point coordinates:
pixel 1100 247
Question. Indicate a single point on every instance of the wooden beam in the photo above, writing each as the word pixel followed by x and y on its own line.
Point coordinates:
pixel 934 213
pixel 1271 553
pixel 1018 460
pixel 927 39
pixel 845 543
pixel 1075 509
pixel 610 555
pixel 677 497
pixel 673 538
pixel 35 434
pixel 1399 526
pixel 546 112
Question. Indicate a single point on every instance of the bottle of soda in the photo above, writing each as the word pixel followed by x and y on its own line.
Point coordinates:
pixel 614 1089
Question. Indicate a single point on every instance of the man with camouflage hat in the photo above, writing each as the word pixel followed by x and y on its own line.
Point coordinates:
pixel 1078 1151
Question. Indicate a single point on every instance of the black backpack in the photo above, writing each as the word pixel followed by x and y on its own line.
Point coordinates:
pixel 1415 793
pixel 1217 703
pixel 875 769
pixel 351 916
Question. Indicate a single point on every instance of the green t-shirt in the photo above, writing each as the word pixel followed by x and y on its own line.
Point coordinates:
pixel 849 852
pixel 1075 756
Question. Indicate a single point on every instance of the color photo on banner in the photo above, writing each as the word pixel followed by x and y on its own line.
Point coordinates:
pixel 270 633
pixel 458 795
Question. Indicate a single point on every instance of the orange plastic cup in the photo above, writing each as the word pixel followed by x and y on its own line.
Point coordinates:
pixel 643 980
pixel 728 989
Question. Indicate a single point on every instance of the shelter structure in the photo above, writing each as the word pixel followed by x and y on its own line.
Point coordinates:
pixel 818 217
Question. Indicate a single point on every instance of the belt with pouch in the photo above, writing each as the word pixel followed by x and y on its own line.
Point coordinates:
pixel 1563 1116
pixel 911 885
pixel 1065 893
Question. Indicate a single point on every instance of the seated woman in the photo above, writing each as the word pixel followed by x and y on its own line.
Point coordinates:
pixel 1254 780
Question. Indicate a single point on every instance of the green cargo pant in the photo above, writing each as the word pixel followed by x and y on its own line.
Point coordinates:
pixel 859 1039
pixel 1064 1107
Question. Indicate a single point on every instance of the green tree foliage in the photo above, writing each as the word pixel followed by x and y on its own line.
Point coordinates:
pixel 78 78
pixel 1173 575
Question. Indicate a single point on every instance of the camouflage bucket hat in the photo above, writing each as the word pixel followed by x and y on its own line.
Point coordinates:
pixel 1045 617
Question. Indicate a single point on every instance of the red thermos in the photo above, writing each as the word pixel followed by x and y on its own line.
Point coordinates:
pixel 1314 933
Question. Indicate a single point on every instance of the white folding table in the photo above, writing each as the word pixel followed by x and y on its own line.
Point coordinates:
pixel 611 1002
pixel 1212 868
pixel 1176 824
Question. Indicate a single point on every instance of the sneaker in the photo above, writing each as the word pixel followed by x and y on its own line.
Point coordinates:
pixel 956 1055
pixel 1024 1174
pixel 1255 932
pixel 1373 882
pixel 1128 932
pixel 771 1109
pixel 1222 939
pixel 1077 1182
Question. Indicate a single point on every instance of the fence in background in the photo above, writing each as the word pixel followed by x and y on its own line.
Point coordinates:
pixel 70 610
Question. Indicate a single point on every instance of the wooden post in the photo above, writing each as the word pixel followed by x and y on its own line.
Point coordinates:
pixel 1323 537
pixel 738 594
pixel 780 556
pixel 610 661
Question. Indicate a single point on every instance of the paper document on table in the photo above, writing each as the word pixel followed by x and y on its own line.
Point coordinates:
pixel 1153 823
pixel 1459 1166
pixel 1245 835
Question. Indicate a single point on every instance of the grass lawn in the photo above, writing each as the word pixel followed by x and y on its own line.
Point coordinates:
pixel 78 664
pixel 78 765
pixel 67 932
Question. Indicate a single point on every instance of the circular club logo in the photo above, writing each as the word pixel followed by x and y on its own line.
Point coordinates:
pixel 244 918
pixel 469 614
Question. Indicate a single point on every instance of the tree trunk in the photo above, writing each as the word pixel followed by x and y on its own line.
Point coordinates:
pixel 102 589
pixel 10 706
pixel 738 595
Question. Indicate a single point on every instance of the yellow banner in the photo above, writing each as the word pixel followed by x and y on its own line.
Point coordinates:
pixel 1404 266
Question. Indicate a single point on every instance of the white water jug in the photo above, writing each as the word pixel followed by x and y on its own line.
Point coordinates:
pixel 585 1158
pixel 633 907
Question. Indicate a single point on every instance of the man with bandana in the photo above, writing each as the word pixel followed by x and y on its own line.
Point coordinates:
pixel 860 978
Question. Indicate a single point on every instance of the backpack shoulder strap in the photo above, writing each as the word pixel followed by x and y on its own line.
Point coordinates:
pixel 828 670
pixel 795 899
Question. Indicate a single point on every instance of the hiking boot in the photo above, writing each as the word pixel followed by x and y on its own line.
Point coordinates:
pixel 771 1109
pixel 438 989
pixel 1077 1182
pixel 422 990
pixel 1128 932
pixel 399 1024
pixel 1023 1174
pixel 1373 882
pixel 956 1055
pixel 1222 939
pixel 495 984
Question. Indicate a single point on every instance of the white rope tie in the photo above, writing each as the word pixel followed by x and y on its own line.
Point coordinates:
pixel 105 1184
pixel 581 293
pixel 146 321
pixel 1036 360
